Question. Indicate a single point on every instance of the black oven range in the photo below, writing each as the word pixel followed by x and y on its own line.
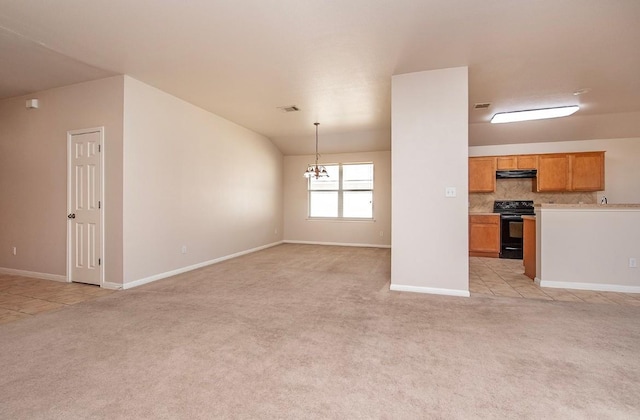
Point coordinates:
pixel 511 225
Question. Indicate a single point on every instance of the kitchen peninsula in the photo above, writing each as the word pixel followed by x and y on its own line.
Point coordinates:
pixel 588 246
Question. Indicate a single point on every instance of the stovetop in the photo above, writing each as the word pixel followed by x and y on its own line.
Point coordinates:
pixel 513 207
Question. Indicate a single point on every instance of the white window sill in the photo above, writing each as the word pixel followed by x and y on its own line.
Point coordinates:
pixel 338 219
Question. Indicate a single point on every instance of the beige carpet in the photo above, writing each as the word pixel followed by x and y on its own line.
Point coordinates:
pixel 301 332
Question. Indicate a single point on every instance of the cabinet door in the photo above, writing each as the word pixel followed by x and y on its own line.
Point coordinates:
pixel 482 174
pixel 517 162
pixel 527 162
pixel 553 173
pixel 484 235
pixel 587 171
pixel 529 248
pixel 507 162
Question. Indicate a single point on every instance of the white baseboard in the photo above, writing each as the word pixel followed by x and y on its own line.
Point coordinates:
pixel 336 244
pixel 181 270
pixel 599 287
pixel 111 286
pixel 33 274
pixel 429 290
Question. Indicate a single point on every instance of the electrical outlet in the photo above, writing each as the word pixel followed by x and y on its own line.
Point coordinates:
pixel 450 192
pixel 633 263
pixel 381 233
pixel 275 231
pixel 184 249
pixel 14 251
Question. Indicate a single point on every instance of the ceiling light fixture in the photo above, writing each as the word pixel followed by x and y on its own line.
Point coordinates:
pixel 534 114
pixel 316 171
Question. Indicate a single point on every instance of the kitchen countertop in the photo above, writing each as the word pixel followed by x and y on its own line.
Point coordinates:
pixel 587 206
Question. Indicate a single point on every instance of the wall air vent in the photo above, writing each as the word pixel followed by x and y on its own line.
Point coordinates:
pixel 482 105
pixel 291 108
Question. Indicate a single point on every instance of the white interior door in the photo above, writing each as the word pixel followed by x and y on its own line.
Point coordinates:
pixel 85 205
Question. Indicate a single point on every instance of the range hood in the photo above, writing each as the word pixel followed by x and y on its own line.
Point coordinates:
pixel 516 173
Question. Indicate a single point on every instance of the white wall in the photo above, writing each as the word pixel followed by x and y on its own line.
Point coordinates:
pixel 33 175
pixel 429 153
pixel 194 179
pixel 588 248
pixel 299 228
pixel 622 171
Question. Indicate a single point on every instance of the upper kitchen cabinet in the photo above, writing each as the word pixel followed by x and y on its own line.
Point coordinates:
pixel 560 172
pixel 587 171
pixel 553 173
pixel 517 162
pixel 482 174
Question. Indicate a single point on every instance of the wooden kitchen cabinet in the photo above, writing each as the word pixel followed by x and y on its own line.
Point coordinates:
pixel 517 162
pixel 529 246
pixel 587 171
pixel 527 162
pixel 482 174
pixel 562 172
pixel 484 235
pixel 553 173
pixel 507 162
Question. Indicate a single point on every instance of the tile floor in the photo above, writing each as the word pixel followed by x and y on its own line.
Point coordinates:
pixel 22 297
pixel 504 277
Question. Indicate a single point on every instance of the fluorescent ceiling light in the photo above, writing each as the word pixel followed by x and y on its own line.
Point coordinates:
pixel 534 114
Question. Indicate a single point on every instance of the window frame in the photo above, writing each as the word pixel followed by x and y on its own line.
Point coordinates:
pixel 340 192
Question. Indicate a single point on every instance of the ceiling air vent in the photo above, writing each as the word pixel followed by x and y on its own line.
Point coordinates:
pixel 291 108
pixel 482 105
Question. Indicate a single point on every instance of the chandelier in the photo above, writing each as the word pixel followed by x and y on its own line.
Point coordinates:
pixel 316 171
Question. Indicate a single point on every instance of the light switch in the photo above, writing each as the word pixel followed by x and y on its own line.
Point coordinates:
pixel 450 192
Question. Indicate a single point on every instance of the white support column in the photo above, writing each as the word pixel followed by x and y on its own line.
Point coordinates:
pixel 429 152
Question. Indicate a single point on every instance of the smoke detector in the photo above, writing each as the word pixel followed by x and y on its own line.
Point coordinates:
pixel 581 91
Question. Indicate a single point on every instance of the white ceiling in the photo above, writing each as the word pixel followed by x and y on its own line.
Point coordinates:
pixel 334 60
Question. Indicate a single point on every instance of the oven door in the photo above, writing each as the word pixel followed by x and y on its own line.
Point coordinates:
pixel 511 226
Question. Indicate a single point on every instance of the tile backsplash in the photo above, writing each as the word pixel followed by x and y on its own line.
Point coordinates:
pixel 520 189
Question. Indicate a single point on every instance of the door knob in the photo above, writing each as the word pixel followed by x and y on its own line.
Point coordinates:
pixel 71 216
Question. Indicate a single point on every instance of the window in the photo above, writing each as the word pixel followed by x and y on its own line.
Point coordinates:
pixel 347 192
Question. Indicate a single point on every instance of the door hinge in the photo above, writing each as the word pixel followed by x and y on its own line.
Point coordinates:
pixel 99 148
pixel 99 204
pixel 99 261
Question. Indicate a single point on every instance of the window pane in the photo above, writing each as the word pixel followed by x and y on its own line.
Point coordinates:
pixel 330 183
pixel 323 204
pixel 357 177
pixel 357 204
